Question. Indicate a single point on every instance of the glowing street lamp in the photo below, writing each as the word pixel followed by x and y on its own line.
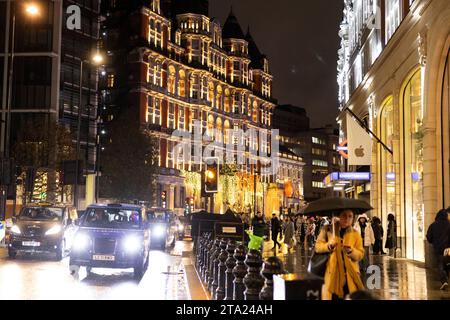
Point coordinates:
pixel 97 59
pixel 32 9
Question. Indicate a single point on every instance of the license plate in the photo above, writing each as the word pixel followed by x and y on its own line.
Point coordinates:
pixel 31 244
pixel 103 258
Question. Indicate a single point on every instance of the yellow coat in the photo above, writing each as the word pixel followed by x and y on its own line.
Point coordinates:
pixel 335 275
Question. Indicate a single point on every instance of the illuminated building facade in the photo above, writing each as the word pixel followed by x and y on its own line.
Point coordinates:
pixel 176 67
pixel 394 73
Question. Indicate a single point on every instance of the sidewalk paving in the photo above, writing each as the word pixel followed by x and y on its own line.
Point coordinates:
pixel 401 279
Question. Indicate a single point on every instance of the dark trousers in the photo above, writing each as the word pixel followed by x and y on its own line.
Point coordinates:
pixel 275 239
pixel 364 263
pixel 378 246
pixel 443 274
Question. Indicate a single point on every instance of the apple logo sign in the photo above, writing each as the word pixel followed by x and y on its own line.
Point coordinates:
pixel 359 152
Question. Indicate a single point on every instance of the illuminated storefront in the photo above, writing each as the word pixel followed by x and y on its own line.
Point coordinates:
pixel 403 91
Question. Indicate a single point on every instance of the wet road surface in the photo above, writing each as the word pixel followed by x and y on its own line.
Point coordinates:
pixel 40 277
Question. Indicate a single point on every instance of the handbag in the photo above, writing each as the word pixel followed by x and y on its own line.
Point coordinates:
pixel 318 263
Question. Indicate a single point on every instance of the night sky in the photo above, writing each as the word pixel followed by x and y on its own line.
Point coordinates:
pixel 300 38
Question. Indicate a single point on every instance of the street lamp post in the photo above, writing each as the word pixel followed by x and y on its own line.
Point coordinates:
pixel 97 59
pixel 31 10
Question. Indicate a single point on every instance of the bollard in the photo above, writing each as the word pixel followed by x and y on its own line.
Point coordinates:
pixel 198 260
pixel 229 277
pixel 215 282
pixel 272 266
pixel 203 256
pixel 213 257
pixel 206 266
pixel 223 256
pixel 239 272
pixel 253 281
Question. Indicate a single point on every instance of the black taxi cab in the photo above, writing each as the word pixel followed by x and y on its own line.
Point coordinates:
pixel 112 236
pixel 43 227
pixel 163 226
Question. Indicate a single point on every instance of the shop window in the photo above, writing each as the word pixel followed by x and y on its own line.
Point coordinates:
pixel 414 162
pixel 389 169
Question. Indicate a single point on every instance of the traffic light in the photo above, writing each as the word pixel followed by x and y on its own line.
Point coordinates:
pixel 212 178
pixel 163 199
pixel 189 206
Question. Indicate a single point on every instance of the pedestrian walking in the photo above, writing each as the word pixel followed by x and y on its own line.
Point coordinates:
pixel 438 235
pixel 311 233
pixel 378 234
pixel 275 228
pixel 289 233
pixel 259 226
pixel 364 228
pixel 345 246
pixel 391 235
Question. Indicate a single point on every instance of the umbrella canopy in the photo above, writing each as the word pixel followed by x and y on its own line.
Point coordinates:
pixel 328 206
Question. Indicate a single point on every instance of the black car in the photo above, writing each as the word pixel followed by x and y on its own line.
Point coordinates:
pixel 112 236
pixel 183 227
pixel 43 228
pixel 163 227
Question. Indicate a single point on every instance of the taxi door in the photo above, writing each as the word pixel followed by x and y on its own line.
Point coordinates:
pixel 146 230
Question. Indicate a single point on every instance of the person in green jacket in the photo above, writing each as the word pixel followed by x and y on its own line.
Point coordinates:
pixel 259 225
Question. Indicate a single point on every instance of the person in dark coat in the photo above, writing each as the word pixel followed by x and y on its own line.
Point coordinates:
pixel 259 225
pixel 438 235
pixel 378 233
pixel 391 241
pixel 275 228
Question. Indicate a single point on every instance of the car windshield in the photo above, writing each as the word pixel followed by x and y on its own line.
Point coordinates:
pixel 157 215
pixel 41 214
pixel 111 218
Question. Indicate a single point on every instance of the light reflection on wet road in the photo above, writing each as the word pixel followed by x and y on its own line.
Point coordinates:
pixel 40 277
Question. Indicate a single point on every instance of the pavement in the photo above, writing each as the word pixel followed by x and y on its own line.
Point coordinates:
pixel 400 279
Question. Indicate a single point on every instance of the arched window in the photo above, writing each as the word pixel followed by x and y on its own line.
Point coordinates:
pixel 226 132
pixel 182 83
pixel 413 111
pixel 210 126
pixel 227 100
pixel 255 111
pixel 446 128
pixel 219 132
pixel 211 96
pixel 389 169
pixel 171 80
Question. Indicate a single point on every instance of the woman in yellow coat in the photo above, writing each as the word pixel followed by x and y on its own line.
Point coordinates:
pixel 342 275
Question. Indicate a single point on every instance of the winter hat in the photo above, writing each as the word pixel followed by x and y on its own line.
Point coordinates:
pixel 363 216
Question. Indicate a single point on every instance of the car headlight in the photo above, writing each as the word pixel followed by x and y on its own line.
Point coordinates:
pixel 80 242
pixel 180 227
pixel 15 229
pixel 53 230
pixel 159 231
pixel 132 244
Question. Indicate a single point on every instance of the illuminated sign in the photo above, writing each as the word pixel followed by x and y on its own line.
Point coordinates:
pixel 415 176
pixel 347 176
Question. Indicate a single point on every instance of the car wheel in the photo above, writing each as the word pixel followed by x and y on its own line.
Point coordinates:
pixel 138 271
pixel 61 250
pixel 12 253
pixel 75 271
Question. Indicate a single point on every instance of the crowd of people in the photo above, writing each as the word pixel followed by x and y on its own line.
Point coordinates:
pixel 349 239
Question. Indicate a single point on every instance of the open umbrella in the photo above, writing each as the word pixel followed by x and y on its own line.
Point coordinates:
pixel 328 206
